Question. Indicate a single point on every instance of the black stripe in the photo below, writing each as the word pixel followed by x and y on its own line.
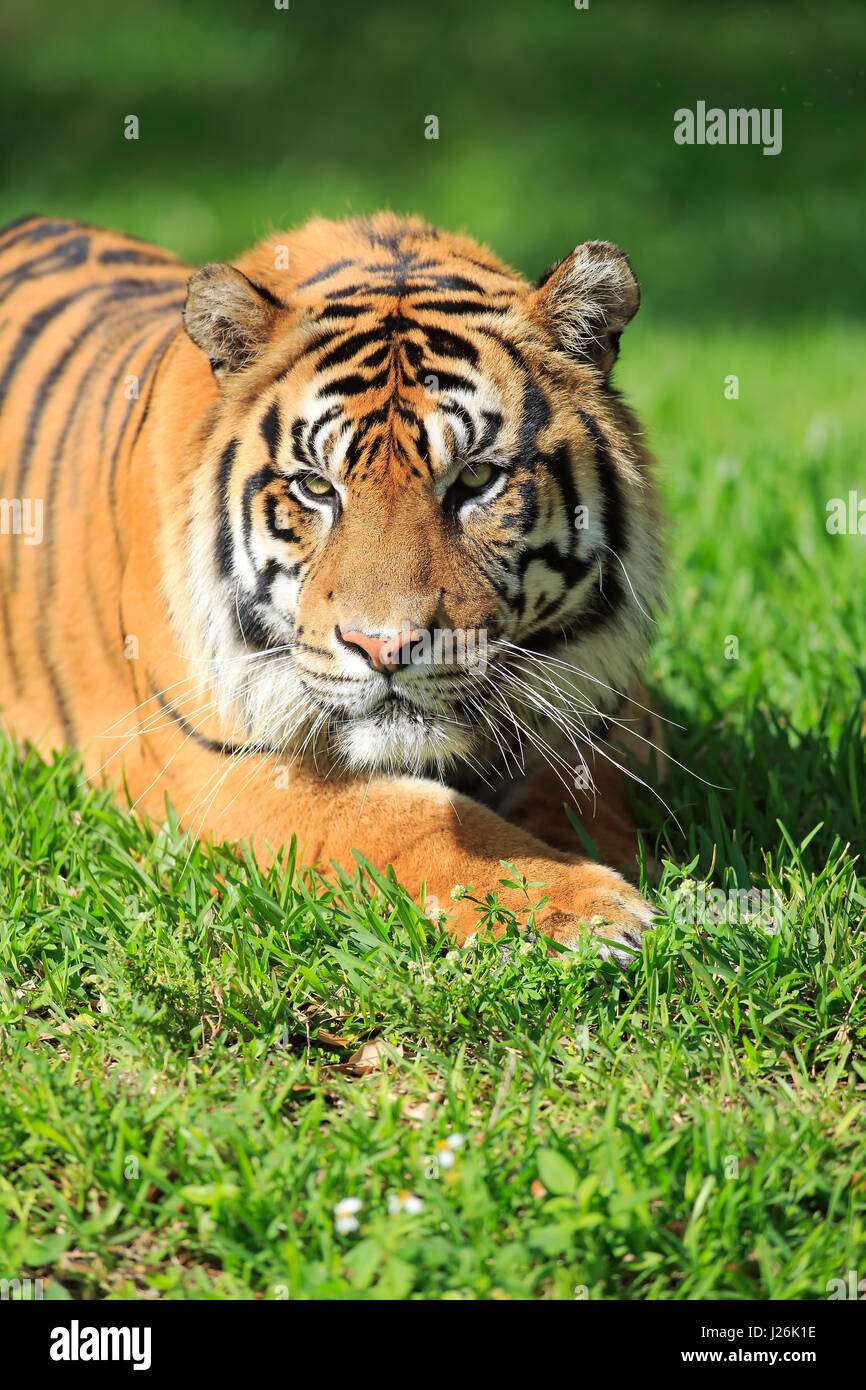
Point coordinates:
pixel 121 370
pixel 311 442
pixel 57 690
pixel 40 232
pixel 149 397
pixel 48 571
pixel 389 291
pixel 446 344
pixel 29 334
pixel 493 423
pixel 271 429
pixel 17 222
pixel 250 626
pixel 551 270
pixel 65 256
pixel 353 385
pixel 349 346
pixel 17 683
pixel 325 274
pixel 342 311
pixel 458 306
pixel 255 483
pixel 224 539
pixel 122 255
pixel 559 466
pixel 449 381
pixel 536 415
pixel 118 290
pixel 457 282
pixel 282 533
pixel 265 292
pixel 614 517
pixel 461 414
pixel 153 361
pixel 228 750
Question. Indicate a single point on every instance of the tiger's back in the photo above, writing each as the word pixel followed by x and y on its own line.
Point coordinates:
pixel 86 318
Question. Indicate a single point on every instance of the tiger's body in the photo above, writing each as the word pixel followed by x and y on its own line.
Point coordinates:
pixel 256 510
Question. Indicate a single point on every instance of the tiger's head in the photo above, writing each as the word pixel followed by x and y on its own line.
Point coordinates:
pixel 423 531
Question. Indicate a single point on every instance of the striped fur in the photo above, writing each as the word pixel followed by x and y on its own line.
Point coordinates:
pixel 189 617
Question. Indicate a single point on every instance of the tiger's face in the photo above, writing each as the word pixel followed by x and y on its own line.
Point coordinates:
pixel 424 529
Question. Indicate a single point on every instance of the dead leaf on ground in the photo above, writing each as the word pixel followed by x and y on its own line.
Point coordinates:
pixel 422 1108
pixel 368 1057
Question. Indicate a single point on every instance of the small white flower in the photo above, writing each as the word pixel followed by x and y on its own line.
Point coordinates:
pixel 404 1201
pixel 687 885
pixel 458 891
pixel 452 958
pixel 445 1149
pixel 345 1215
pixel 526 948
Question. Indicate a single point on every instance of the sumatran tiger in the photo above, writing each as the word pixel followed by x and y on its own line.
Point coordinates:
pixel 353 539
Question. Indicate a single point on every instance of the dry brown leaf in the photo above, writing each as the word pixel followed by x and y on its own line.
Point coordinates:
pixel 422 1108
pixel 61 1028
pixel 368 1057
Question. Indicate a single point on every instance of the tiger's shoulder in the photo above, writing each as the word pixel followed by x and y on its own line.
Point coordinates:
pixel 46 244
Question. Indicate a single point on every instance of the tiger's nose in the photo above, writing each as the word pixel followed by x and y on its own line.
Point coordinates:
pixel 383 653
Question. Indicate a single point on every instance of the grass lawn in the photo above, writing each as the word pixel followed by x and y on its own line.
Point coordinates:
pixel 199 1062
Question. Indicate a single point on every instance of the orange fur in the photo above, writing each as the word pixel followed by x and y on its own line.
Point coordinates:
pixel 113 631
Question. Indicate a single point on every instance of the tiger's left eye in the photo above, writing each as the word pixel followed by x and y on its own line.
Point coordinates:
pixel 316 485
pixel 475 476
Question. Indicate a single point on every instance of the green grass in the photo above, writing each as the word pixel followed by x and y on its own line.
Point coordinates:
pixel 180 1112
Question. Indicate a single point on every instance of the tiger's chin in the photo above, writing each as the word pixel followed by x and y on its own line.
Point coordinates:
pixel 401 738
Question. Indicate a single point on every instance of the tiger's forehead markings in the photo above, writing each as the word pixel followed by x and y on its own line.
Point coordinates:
pixel 329 434
pixel 401 374
pixel 319 435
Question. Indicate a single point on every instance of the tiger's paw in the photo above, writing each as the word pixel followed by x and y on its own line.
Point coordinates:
pixel 612 911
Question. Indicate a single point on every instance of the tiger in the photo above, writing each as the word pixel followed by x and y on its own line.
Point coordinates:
pixel 351 540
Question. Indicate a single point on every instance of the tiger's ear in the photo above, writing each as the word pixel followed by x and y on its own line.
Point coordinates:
pixel 229 317
pixel 587 299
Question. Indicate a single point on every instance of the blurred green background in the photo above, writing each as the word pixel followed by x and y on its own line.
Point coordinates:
pixel 556 126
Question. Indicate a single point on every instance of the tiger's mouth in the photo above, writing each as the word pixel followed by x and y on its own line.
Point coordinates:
pixel 398 733
pixel 399 736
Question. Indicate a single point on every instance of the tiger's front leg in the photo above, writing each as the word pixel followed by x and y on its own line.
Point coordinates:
pixel 599 804
pixel 431 836
pixel 597 794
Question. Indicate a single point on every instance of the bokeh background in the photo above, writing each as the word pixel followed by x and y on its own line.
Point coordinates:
pixel 556 126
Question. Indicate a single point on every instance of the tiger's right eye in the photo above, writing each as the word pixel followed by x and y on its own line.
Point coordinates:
pixel 316 486
pixel 475 476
